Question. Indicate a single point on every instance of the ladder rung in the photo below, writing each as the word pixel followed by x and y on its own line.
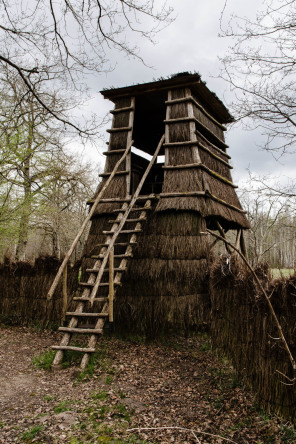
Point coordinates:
pixel 121 110
pixel 134 209
pixel 113 152
pixel 116 130
pixel 115 269
pixel 118 173
pixel 102 284
pixel 121 244
pixel 128 220
pixel 95 270
pixel 106 284
pixel 70 347
pixel 138 230
pixel 122 255
pixel 94 331
pixel 86 315
pixel 81 299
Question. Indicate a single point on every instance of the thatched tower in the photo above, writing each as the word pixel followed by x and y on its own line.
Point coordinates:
pixel 191 189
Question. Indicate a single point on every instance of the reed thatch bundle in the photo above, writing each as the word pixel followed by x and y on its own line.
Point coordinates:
pixel 242 327
pixel 24 287
pixel 166 283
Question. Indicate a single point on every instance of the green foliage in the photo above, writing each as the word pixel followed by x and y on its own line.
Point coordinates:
pixel 288 434
pixel 29 435
pixel 99 395
pixel 49 397
pixel 63 406
pixel 44 360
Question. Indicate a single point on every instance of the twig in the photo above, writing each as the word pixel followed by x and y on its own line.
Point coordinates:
pixel 282 336
pixel 138 429
pixel 194 435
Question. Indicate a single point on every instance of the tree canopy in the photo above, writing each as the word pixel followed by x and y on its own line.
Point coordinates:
pixel 50 43
pixel 260 67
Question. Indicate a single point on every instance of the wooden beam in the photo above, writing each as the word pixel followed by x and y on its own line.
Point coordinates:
pixel 111 283
pixel 117 130
pixel 212 144
pixel 65 292
pixel 184 194
pixel 121 110
pixel 222 233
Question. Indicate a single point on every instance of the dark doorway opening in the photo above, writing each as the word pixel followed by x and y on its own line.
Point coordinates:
pixel 150 111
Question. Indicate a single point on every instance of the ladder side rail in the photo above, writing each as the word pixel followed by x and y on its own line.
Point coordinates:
pixel 83 226
pixel 123 220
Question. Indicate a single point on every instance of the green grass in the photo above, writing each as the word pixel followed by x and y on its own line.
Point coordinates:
pixel 285 272
pixel 44 360
pixel 63 406
pixel 29 435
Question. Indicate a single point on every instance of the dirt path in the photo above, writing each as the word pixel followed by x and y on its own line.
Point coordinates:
pixel 180 384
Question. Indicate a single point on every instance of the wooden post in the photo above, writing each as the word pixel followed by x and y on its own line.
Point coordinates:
pixel 65 292
pixel 222 233
pixel 243 245
pixel 111 283
pixel 238 236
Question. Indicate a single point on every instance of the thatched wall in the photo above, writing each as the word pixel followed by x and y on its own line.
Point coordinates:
pixel 24 287
pixel 243 329
pixel 166 284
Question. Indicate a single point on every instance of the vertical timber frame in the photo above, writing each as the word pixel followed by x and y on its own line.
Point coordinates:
pixel 122 126
pixel 128 161
pixel 192 128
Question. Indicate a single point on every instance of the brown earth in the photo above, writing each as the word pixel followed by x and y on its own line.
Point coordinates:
pixel 179 390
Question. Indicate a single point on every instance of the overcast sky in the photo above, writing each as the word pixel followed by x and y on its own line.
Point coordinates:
pixel 192 43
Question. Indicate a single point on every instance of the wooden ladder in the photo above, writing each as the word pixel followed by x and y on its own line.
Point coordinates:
pixel 122 235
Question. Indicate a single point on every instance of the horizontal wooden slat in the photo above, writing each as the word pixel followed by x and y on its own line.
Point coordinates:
pixel 124 231
pixel 134 209
pixel 127 199
pixel 122 110
pixel 81 299
pixel 212 144
pixel 94 331
pixel 184 194
pixel 204 167
pixel 86 315
pixel 118 173
pixel 72 348
pixel 107 153
pixel 119 244
pixel 117 130
pixel 223 202
pixel 102 284
pixel 128 220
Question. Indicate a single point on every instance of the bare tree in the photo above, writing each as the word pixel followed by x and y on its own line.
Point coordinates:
pixel 35 168
pixel 46 42
pixel 260 67
pixel 272 217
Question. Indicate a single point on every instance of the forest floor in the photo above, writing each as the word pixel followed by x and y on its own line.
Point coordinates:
pixel 176 391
